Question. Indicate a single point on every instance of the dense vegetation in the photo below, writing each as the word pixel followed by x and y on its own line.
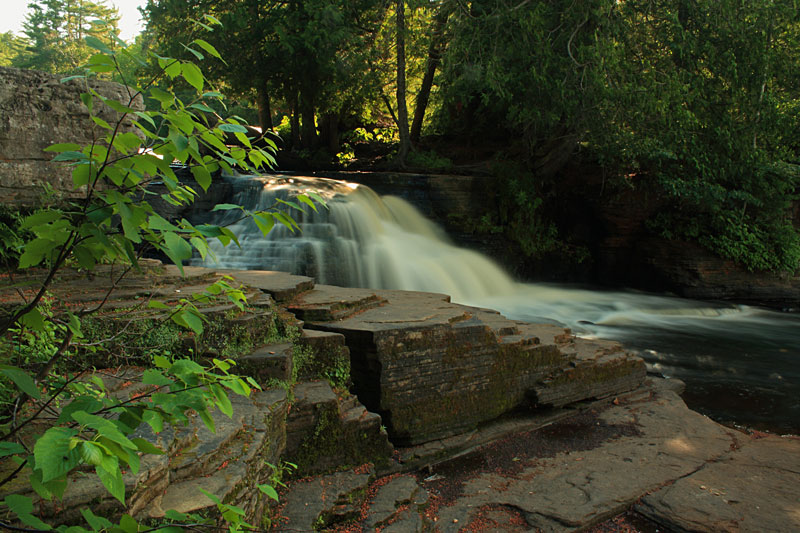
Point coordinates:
pixel 695 101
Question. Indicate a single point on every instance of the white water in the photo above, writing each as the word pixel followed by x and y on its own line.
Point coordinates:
pixel 363 240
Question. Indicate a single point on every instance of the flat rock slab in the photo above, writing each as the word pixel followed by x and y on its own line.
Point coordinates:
pixel 311 504
pixel 280 285
pixel 647 440
pixel 754 488
pixel 387 506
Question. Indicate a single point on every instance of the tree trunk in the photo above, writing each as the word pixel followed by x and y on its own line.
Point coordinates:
pixel 329 132
pixel 434 58
pixel 264 110
pixel 294 120
pixel 402 109
pixel 308 131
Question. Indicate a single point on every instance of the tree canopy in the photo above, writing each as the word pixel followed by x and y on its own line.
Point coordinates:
pixel 697 98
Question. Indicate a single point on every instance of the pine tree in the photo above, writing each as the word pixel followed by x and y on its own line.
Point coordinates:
pixel 56 30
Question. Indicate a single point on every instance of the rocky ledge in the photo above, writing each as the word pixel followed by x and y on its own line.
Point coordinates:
pixel 411 413
pixel 640 463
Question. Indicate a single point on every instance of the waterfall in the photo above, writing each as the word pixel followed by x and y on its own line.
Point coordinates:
pixel 360 240
pixel 364 240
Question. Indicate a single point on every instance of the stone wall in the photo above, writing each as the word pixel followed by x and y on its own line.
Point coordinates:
pixel 37 110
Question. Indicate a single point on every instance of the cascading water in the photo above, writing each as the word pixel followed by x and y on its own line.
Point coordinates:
pixel 741 363
pixel 360 240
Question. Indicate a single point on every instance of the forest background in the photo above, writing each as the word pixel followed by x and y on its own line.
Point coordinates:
pixel 695 102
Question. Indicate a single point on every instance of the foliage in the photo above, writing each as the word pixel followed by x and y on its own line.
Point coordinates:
pixel 704 99
pixel 305 53
pixel 701 98
pixel 429 160
pixel 12 48
pixel 114 222
pixel 56 30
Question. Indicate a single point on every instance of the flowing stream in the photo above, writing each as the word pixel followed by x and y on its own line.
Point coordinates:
pixel 741 364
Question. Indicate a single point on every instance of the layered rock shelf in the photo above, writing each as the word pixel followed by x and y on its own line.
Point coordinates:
pixel 433 369
pixel 412 413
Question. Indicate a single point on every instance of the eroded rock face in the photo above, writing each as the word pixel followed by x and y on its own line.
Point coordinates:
pixel 37 110
pixel 433 369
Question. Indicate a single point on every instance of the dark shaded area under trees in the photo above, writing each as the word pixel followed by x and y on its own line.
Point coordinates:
pixel 692 102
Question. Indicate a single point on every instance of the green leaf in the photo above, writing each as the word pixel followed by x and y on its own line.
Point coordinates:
pixel 147 118
pixel 22 506
pixel 201 107
pixel 306 200
pixel 155 420
pixel 53 454
pixel 104 427
pixel 265 222
pixel 214 20
pixel 113 482
pixel 81 403
pixel 269 490
pixel 232 128
pixel 207 420
pixel 97 44
pixel 202 176
pixel 52 489
pixel 63 147
pixel 208 48
pixel 33 319
pixel 210 496
pixel 147 447
pixel 71 156
pixel 317 198
pixel 128 524
pixel 91 453
pixel 177 249
pixel 39 218
pixel 81 175
pixel 118 107
pixel 152 376
pixel 98 523
pixel 223 401
pixel 194 52
pixel 238 386
pixel 36 251
pixel 102 123
pixel 10 448
pixel 87 100
pixel 22 379
pixel 226 207
pixel 163 97
pixel 191 73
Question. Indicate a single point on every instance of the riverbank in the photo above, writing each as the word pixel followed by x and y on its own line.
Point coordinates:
pixel 595 445
pixel 640 462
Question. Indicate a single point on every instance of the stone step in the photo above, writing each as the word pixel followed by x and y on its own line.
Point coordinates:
pixel 434 369
pixel 280 285
pixel 327 303
pixel 325 430
pixel 596 369
pixel 313 505
pixel 396 504
pixel 330 358
pixel 267 363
